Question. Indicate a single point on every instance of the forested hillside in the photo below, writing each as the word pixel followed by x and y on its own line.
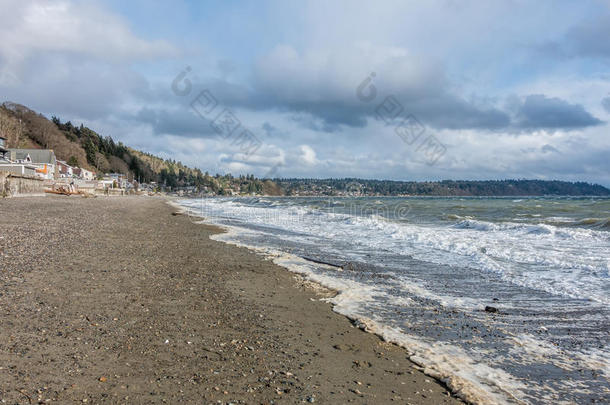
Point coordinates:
pixel 83 147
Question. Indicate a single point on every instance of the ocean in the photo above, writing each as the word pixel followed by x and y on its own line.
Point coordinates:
pixel 506 300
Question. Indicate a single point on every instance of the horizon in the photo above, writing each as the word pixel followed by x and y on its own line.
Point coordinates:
pixel 392 91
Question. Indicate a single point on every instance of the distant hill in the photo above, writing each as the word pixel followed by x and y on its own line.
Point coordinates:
pixel 352 186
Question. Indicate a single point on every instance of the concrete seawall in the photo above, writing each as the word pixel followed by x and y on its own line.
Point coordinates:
pixel 13 185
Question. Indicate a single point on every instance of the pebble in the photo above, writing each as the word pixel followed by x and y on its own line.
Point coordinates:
pixel 491 309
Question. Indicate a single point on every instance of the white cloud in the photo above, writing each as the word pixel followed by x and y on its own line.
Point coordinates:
pixel 70 29
pixel 308 155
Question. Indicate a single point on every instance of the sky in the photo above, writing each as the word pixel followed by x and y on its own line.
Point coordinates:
pixel 402 90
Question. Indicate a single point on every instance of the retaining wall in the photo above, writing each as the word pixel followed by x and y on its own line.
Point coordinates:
pixel 12 185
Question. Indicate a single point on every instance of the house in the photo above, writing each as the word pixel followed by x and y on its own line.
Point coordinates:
pixel 42 159
pixel 83 173
pixel 7 166
pixel 119 178
pixel 64 169
pixel 105 184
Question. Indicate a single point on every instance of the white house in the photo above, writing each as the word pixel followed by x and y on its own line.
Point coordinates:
pixel 83 173
pixel 42 159
pixel 120 178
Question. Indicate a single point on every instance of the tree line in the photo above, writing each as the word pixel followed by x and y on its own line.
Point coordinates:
pixel 510 187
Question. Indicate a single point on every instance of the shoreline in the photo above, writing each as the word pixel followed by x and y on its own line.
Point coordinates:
pixel 116 300
pixel 460 388
pixel 416 301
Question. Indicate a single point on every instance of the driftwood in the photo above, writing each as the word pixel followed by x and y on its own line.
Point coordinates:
pixel 309 259
pixel 62 190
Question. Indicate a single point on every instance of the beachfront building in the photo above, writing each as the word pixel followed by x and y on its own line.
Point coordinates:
pixel 119 178
pixel 64 169
pixel 106 184
pixel 7 166
pixel 83 174
pixel 43 160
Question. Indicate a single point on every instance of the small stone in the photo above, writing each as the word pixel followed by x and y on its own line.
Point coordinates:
pixel 103 379
pixel 491 309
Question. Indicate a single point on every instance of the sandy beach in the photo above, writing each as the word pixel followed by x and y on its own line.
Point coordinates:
pixel 116 300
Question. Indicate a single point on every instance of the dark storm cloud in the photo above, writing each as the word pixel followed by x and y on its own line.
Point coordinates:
pixel 178 122
pixel 440 112
pixel 330 112
pixel 335 111
pixel 539 111
pixel 324 99
pixel 445 112
pixel 450 112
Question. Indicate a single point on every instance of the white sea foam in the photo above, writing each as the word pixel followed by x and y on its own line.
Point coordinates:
pixel 564 261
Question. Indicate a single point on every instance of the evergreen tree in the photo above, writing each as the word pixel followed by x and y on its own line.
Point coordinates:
pixel 73 161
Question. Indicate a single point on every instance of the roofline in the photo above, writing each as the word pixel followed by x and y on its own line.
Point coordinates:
pixel 28 149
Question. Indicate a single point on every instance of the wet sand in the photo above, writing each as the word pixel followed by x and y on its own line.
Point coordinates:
pixel 116 300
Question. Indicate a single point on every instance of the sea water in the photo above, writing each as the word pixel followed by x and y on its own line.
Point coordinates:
pixel 420 271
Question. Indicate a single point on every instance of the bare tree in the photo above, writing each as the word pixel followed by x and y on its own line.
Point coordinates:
pixel 11 129
pixel 45 133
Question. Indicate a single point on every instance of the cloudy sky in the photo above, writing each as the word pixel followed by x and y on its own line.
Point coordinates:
pixel 399 90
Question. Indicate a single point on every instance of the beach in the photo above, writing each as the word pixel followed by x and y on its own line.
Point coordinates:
pixel 481 291
pixel 118 300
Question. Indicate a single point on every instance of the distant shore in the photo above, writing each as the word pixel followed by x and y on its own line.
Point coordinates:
pixel 116 300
